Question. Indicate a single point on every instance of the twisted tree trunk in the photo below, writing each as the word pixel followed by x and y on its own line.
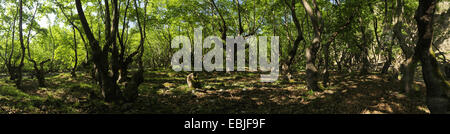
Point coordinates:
pixel 75 48
pixel 293 51
pixel 18 70
pixel 11 68
pixel 437 87
pixel 107 72
pixel 110 89
pixel 311 52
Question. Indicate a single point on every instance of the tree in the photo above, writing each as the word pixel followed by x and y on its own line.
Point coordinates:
pixel 312 73
pixel 408 66
pixel 39 72
pixel 298 39
pixel 75 48
pixel 18 70
pixel 110 88
pixel 131 88
pixel 437 87
pixel 224 28
pixel 8 59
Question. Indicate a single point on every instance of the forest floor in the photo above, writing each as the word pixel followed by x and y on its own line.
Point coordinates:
pixel 166 92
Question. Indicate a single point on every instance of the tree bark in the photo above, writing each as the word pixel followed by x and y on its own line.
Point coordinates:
pixel 437 87
pixel 364 52
pixel 75 48
pixel 110 89
pixel 299 37
pixel 9 66
pixel 241 29
pixel 388 62
pixel 124 60
pixel 408 70
pixel 38 72
pixel 131 88
pixel 293 51
pixel 109 76
pixel 18 70
pixel 386 47
pixel 408 66
pixel 311 70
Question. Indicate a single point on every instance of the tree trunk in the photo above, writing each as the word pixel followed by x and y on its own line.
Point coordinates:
pixel 74 69
pixel 124 61
pixel 9 66
pixel 311 52
pixel 437 87
pixel 364 51
pixel 131 88
pixel 18 70
pixel 388 62
pixel 287 68
pixel 408 67
pixel 408 70
pixel 366 63
pixel 385 46
pixel 108 76
pixel 223 28
pixel 326 73
pixel 241 29
pixel 39 73
pixel 110 89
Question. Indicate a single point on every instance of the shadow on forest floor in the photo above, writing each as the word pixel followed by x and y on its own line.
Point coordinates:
pixel 166 92
pixel 243 93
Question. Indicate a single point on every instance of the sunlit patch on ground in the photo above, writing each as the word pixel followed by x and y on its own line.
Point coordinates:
pixel 165 92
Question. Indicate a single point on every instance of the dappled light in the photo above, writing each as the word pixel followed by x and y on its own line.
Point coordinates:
pixel 371 95
pixel 224 57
